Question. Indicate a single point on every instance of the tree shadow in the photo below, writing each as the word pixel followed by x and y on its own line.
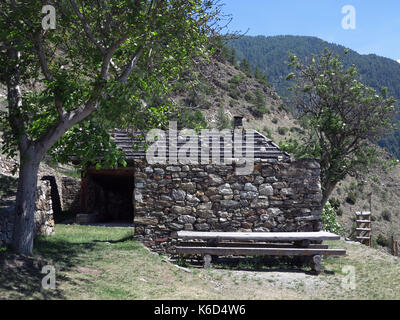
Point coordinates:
pixel 261 264
pixel 21 276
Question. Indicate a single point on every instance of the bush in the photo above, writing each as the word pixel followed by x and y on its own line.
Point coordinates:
pixel 223 121
pixel 275 120
pixel 351 198
pixel 192 119
pixel 382 241
pixel 329 220
pixel 386 215
pixel 249 97
pixel 282 130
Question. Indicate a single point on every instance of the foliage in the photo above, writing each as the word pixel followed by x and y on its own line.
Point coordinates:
pixel 223 121
pixel 159 39
pixel 191 119
pixel 329 220
pixel 351 198
pixel 340 116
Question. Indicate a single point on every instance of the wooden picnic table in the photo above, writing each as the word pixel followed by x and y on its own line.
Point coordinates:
pixel 214 244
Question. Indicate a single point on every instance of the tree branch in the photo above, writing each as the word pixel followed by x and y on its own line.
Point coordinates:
pixel 86 27
pixel 129 67
pixel 42 57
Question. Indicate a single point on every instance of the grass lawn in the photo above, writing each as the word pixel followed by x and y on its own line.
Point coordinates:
pixel 106 263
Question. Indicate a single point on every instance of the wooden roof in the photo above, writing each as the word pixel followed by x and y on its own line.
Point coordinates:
pixel 133 146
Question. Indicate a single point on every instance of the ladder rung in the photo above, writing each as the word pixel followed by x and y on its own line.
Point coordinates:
pixel 363 214
pixel 363 229
pixel 363 238
pixel 363 221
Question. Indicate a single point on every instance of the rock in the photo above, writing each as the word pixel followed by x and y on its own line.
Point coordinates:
pixel 165 198
pixel 215 180
pixel 159 171
pixel 274 211
pixel 202 227
pixel 249 195
pixel 176 226
pixel 250 187
pixel 192 199
pixel 266 190
pixel 230 204
pixel 173 169
pixel 258 180
pixel 145 220
pixel 178 194
pixel 225 189
pixel 181 210
pixel 287 191
pixel 186 219
pixel 188 187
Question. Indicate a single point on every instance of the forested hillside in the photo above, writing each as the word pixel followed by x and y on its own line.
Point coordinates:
pixel 270 55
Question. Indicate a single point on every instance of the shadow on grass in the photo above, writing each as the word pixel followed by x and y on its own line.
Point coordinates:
pixel 124 239
pixel 261 264
pixel 21 277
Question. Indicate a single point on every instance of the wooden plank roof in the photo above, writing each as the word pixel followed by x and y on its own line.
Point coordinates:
pixel 263 147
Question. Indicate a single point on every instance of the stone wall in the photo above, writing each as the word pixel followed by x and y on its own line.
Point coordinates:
pixel 70 194
pixel 276 197
pixel 44 222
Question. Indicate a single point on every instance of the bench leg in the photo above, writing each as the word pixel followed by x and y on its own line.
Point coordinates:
pixel 316 264
pixel 207 261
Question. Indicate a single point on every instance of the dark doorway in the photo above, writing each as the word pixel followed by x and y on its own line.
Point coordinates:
pixel 113 195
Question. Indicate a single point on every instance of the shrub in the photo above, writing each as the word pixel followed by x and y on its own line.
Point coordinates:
pixel 329 220
pixel 267 132
pixel 282 130
pixel 192 119
pixel 351 198
pixel 382 241
pixel 275 120
pixel 223 121
pixel 386 215
pixel 249 97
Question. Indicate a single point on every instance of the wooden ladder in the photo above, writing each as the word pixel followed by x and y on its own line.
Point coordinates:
pixel 363 228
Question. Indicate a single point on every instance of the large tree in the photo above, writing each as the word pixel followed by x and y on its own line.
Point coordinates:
pixel 342 118
pixel 99 62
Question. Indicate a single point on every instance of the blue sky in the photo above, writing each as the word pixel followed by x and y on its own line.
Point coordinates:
pixel 377 28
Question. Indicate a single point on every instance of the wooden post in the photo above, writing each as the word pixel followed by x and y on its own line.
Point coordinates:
pixel 370 219
pixel 395 247
pixel 316 264
pixel 207 261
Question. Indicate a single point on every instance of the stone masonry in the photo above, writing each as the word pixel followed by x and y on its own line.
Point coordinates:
pixel 276 197
pixel 44 222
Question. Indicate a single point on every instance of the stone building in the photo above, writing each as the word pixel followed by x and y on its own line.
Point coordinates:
pixel 279 193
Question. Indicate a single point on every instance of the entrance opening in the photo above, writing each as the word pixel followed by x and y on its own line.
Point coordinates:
pixel 113 197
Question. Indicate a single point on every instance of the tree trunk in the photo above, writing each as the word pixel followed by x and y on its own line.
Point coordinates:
pixel 24 223
pixel 326 192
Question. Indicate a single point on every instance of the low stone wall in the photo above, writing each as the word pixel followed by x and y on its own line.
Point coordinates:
pixel 276 197
pixel 44 222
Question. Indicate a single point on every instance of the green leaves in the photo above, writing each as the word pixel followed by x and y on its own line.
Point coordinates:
pixel 67 71
pixel 341 116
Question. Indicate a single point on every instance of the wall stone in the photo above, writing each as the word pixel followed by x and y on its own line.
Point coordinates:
pixel 276 197
pixel 44 221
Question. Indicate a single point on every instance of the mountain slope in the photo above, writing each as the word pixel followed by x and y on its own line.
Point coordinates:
pixel 270 54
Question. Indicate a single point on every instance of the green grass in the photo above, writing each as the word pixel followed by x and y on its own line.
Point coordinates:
pixel 107 263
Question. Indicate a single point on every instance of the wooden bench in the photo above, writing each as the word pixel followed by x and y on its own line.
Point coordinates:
pixel 214 244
